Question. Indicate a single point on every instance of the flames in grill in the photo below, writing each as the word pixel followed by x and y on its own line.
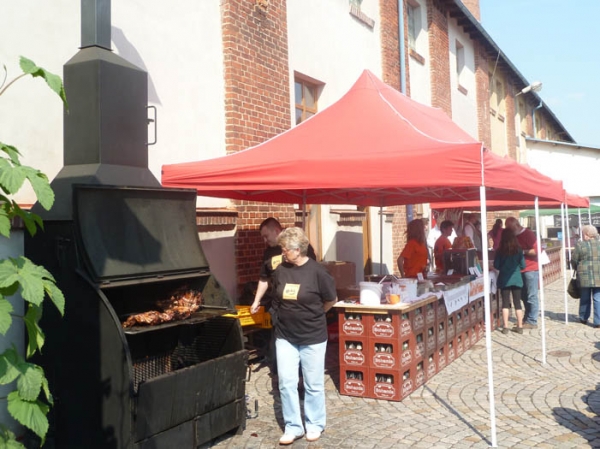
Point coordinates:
pixel 179 307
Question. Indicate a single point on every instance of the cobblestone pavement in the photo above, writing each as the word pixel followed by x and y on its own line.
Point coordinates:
pixel 556 405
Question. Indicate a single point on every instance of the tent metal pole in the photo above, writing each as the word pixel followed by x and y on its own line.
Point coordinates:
pixel 563 268
pixel 579 215
pixel 568 226
pixel 381 241
pixel 541 278
pixel 304 210
pixel 488 320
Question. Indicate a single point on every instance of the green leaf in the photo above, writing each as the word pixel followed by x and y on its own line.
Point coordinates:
pixel 46 389
pixel 56 295
pixel 54 81
pixel 31 221
pixel 8 439
pixel 4 224
pixel 35 334
pixel 41 186
pixel 31 414
pixel 10 361
pixel 26 273
pixel 30 383
pixel 12 153
pixel 11 177
pixel 5 319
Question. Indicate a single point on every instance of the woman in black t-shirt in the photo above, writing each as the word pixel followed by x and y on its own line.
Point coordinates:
pixel 304 291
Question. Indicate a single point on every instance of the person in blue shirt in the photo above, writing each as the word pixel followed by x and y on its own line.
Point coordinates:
pixel 509 261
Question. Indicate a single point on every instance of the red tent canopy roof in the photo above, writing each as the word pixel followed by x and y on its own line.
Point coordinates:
pixel 373 147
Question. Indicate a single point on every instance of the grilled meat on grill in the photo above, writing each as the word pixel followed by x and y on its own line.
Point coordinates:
pixel 178 307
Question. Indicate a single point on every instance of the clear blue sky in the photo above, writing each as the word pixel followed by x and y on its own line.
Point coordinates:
pixel 556 42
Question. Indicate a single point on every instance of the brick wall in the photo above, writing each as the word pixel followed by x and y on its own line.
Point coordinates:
pixel 482 81
pixel 257 106
pixel 439 50
pixel 511 128
pixel 473 7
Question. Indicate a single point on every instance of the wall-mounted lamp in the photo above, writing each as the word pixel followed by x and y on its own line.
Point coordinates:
pixel 536 86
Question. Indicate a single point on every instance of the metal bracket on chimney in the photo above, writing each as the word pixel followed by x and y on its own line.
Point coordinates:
pixel 155 121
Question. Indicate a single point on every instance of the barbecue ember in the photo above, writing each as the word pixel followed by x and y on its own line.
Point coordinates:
pixel 179 307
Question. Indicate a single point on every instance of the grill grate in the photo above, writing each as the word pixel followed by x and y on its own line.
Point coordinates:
pixel 191 345
pixel 150 367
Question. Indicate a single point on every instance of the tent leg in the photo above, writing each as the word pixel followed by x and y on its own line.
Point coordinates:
pixel 488 319
pixel 563 268
pixel 541 282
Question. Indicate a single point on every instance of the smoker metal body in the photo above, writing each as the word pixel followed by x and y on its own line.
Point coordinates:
pixel 178 383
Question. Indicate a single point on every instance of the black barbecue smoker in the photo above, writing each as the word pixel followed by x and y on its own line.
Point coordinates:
pixel 120 246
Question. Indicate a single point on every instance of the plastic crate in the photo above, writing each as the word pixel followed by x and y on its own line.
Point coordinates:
pixel 260 318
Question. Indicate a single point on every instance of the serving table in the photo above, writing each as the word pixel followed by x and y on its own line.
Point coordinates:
pixel 387 351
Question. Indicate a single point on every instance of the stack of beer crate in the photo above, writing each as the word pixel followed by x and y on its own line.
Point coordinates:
pixel 387 354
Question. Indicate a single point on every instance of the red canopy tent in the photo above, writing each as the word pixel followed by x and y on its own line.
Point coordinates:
pixel 373 147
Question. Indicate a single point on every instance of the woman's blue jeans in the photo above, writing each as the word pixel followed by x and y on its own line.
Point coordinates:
pixel 312 360
pixel 585 304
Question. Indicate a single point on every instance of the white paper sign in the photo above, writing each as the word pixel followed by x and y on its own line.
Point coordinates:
pixel 456 298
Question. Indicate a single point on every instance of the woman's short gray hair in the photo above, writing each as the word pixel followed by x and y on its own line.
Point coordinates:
pixel 293 238
pixel 590 231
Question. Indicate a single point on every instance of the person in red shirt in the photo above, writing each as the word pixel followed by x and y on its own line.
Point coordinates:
pixel 414 258
pixel 528 242
pixel 442 244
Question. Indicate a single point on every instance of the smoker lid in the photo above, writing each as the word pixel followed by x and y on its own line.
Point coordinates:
pixel 131 233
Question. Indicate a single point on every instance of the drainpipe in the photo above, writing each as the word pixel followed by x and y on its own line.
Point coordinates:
pixel 401 46
pixel 402 55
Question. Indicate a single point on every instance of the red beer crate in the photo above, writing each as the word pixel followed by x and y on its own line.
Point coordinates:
pixel 451 351
pixel 406 324
pixel 430 365
pixel 387 384
pixel 459 315
pixel 430 336
pixel 353 323
pixel 354 351
pixel 354 381
pixel 420 374
pixel 473 313
pixel 384 325
pixel 473 335
pixel 430 310
pixel 441 312
pixel 451 327
pixel 440 358
pixel 441 332
pixel 479 309
pixel 461 344
pixel 480 329
pixel 384 354
pixel 420 345
pixel 417 319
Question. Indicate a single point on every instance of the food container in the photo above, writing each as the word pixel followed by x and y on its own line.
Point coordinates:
pixel 370 293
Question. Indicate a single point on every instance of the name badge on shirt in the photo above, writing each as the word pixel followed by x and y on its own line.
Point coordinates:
pixel 290 291
pixel 276 261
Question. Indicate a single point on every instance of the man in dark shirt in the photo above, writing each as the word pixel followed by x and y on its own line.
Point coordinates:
pixel 272 257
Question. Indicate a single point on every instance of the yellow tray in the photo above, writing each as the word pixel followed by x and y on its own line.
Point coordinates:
pixel 260 318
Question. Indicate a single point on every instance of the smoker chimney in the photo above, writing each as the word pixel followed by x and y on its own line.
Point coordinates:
pixel 95 23
pixel 106 126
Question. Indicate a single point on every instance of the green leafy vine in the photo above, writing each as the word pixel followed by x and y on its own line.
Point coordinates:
pixel 31 399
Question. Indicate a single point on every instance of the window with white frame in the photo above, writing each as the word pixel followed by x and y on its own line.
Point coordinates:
pixel 460 60
pixel 414 23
